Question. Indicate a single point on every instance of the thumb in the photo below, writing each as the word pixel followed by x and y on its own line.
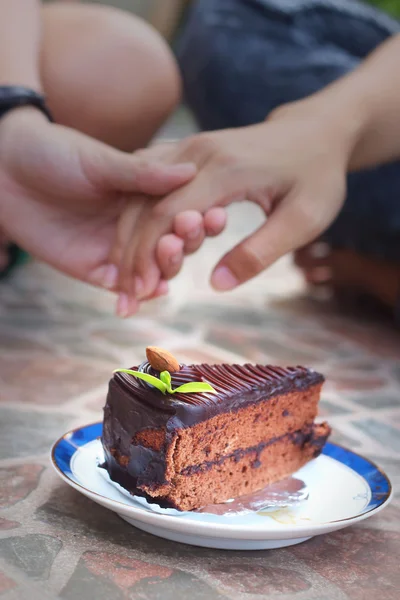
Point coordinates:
pixel 291 225
pixel 124 172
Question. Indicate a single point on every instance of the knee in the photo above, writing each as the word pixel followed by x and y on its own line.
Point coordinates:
pixel 140 64
pixel 121 72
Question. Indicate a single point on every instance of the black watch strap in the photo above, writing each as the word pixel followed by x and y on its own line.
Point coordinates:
pixel 14 96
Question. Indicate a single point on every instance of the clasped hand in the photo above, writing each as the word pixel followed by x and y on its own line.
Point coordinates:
pixel 293 166
pixel 125 222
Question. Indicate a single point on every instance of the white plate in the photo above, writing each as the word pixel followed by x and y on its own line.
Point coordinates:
pixel 344 488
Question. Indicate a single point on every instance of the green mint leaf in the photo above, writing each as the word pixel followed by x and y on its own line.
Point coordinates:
pixel 164 383
pixel 190 388
pixel 157 383
pixel 165 377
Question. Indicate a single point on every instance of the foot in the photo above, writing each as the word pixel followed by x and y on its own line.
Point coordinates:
pixel 349 273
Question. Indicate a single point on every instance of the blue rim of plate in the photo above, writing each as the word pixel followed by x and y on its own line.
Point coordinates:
pixel 379 483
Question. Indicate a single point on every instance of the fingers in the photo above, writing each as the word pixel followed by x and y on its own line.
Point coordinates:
pixel 132 279
pixel 160 179
pixel 171 248
pixel 161 290
pixel 169 255
pixel 197 193
pixel 244 262
pixel 288 227
pixel 192 227
pixel 189 226
pixel 105 276
pixel 159 151
pixel 126 306
pixel 215 220
pixel 164 218
pixel 189 236
pixel 128 216
pixel 122 251
pixel 122 172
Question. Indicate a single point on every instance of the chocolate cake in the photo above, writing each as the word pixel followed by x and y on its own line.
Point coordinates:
pixel 254 426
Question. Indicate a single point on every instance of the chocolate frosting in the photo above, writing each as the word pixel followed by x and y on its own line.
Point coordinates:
pixel 235 385
pixel 133 405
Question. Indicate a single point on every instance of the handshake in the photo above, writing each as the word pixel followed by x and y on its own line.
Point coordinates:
pixel 125 222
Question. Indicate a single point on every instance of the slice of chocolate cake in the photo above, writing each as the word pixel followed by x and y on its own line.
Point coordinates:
pixel 254 426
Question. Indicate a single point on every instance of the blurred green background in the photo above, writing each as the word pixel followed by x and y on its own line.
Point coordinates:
pixel 390 6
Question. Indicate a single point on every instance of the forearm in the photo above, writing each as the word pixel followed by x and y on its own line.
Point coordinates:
pixel 365 105
pixel 20 36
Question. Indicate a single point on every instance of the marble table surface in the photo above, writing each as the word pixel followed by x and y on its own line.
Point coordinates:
pixel 59 342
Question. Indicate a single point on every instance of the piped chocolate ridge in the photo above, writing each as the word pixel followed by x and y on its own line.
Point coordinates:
pixel 226 379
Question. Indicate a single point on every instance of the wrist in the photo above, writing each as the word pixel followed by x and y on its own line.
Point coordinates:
pixel 338 121
pixel 15 125
pixel 24 113
pixel 351 112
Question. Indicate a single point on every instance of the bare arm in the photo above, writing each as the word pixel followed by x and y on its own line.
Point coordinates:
pixel 294 165
pixel 367 104
pixel 20 33
pixel 56 182
pixel 379 83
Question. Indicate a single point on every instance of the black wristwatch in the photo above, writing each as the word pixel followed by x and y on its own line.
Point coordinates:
pixel 14 96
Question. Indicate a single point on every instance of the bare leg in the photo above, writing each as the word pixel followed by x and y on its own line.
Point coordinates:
pixel 107 73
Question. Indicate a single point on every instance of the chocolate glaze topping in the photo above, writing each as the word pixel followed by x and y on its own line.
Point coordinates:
pixel 133 405
pixel 227 380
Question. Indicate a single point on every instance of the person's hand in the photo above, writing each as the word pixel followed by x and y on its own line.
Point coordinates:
pixel 63 192
pixel 293 166
pixel 188 233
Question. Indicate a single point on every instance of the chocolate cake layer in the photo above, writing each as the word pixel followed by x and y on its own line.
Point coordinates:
pixel 237 473
pixel 151 439
pixel 220 435
pixel 246 471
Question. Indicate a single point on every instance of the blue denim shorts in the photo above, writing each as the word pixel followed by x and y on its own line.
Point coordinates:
pixel 242 58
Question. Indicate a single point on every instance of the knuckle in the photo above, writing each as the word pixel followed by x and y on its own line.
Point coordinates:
pixel 250 261
pixel 309 217
pixel 188 146
pixel 315 227
pixel 162 211
pixel 227 160
pixel 203 144
pixel 141 156
pixel 143 166
pixel 312 222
